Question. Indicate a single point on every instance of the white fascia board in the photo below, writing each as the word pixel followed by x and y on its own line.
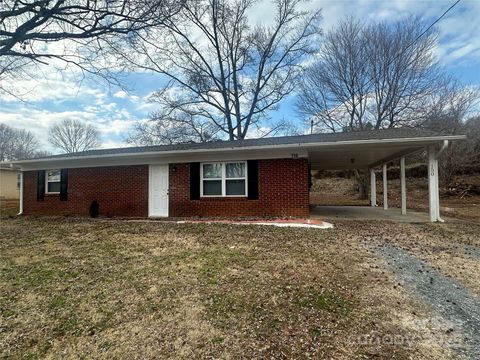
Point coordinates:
pixel 161 158
pixel 261 152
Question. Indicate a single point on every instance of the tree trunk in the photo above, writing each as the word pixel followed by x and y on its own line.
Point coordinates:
pixel 362 183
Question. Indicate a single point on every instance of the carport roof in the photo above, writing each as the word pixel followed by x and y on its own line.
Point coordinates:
pixel 383 134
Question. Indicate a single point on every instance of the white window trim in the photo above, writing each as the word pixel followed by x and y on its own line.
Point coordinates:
pixel 46 182
pixel 224 179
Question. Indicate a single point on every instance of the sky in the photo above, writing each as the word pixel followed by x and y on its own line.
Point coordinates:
pixel 54 96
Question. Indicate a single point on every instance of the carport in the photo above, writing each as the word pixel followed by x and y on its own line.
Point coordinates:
pixel 371 150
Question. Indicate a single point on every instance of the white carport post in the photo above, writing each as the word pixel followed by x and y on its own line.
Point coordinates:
pixel 433 194
pixel 385 187
pixel 433 186
pixel 373 188
pixel 403 185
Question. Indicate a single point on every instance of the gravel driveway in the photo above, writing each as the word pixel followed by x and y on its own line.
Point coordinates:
pixel 445 296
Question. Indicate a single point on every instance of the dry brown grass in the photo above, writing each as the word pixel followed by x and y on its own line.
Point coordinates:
pixel 82 288
pixel 8 208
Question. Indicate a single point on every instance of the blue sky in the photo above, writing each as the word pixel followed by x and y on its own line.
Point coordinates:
pixel 57 96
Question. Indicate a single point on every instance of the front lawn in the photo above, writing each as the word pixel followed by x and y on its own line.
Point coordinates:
pixel 125 289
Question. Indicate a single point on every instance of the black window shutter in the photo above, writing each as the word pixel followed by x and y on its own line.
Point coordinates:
pixel 64 184
pixel 194 181
pixel 252 174
pixel 40 185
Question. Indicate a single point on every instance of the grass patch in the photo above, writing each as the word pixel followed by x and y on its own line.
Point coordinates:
pixel 324 300
pixel 82 288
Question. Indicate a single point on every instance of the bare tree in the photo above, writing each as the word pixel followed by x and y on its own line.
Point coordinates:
pixel 472 129
pixel 370 76
pixel 41 154
pixel 452 110
pixel 164 130
pixel 334 91
pixel 402 70
pixel 28 27
pixel 225 73
pixel 447 109
pixel 73 136
pixel 16 144
pixel 463 156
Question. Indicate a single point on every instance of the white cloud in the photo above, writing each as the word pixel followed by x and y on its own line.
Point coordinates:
pixel 109 144
pixel 121 94
pixel 51 85
pixel 113 125
pixel 459 38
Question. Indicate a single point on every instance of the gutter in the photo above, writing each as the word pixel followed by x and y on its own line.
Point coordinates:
pixel 442 149
pixel 246 148
pixel 20 207
pixel 439 153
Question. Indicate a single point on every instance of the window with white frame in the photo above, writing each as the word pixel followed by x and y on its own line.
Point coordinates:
pixel 224 179
pixel 52 180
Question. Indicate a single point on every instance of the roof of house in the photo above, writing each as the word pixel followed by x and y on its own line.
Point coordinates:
pixel 384 134
pixel 329 151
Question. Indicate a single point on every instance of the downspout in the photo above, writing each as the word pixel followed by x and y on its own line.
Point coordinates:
pixel 442 149
pixel 439 153
pixel 20 208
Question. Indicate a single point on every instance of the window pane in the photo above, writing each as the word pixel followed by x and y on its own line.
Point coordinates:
pixel 212 171
pixel 53 187
pixel 53 175
pixel 212 187
pixel 235 170
pixel 235 187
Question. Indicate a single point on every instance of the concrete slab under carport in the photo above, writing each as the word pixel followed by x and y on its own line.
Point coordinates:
pixel 368 155
pixel 366 213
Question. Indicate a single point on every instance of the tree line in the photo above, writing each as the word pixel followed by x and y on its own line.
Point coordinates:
pixel 68 136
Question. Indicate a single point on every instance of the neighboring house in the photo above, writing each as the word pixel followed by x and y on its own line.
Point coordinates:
pixel 249 178
pixel 9 182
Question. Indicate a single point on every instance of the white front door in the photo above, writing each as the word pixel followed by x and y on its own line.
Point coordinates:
pixel 158 197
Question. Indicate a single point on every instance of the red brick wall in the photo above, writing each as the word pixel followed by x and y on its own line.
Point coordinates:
pixel 119 190
pixel 123 191
pixel 283 191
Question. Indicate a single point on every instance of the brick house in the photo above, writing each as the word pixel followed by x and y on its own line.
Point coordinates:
pixel 250 178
